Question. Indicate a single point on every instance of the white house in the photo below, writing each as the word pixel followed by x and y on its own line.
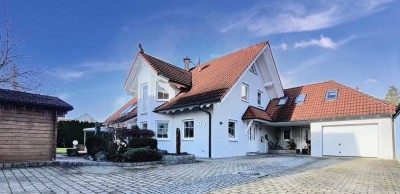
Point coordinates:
pixel 235 104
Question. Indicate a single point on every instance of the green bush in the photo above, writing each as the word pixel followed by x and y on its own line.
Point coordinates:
pixel 143 142
pixel 95 143
pixel 141 155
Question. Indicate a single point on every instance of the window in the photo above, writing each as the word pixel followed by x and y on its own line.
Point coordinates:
pixel 253 69
pixel 300 98
pixel 259 98
pixel 231 130
pixel 144 125
pixel 188 129
pixel 282 101
pixel 331 95
pixel 128 110
pixel 287 134
pixel 145 91
pixel 162 130
pixel 162 94
pixel 245 92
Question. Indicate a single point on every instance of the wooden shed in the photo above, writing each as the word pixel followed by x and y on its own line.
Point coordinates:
pixel 28 125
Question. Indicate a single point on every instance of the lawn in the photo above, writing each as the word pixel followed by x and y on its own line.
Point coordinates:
pixel 61 150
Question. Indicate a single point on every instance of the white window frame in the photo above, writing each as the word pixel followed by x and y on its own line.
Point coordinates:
pixel 261 101
pixel 300 102
pixel 283 133
pixel 336 96
pixel 247 92
pixel 161 99
pixel 236 126
pixel 279 100
pixel 168 131
pixel 253 69
pixel 142 123
pixel 142 92
pixel 183 131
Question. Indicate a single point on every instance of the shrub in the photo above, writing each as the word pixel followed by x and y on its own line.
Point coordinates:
pixel 142 155
pixel 95 143
pixel 291 145
pixel 146 133
pixel 68 131
pixel 143 142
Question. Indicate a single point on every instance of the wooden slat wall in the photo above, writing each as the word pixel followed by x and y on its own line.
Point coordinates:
pixel 27 135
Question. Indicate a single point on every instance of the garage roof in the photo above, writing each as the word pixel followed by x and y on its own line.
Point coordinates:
pixel 349 102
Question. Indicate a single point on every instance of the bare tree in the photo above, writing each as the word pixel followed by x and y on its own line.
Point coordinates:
pixel 13 74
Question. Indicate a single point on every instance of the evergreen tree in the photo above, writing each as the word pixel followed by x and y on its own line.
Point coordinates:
pixel 393 95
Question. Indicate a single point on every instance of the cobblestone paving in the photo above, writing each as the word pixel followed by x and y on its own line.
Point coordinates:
pixel 253 174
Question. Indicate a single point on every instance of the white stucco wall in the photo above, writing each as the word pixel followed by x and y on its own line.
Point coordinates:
pixel 397 136
pixel 385 140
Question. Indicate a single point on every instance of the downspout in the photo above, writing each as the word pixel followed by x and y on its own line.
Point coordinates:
pixel 209 130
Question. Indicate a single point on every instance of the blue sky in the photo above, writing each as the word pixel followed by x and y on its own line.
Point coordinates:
pixel 86 47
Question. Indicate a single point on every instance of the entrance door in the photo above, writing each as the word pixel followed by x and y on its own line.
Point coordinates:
pixel 253 137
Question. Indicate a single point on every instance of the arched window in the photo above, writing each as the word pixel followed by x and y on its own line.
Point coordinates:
pixel 162 94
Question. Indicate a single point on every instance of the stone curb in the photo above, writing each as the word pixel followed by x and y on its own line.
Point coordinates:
pixel 167 160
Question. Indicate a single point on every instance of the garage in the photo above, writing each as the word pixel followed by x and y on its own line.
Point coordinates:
pixel 351 140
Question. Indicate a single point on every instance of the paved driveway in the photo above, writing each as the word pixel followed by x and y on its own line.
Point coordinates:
pixel 255 174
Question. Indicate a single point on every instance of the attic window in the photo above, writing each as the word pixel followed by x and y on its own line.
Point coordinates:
pixel 300 98
pixel 282 101
pixel 331 95
pixel 253 69
pixel 128 110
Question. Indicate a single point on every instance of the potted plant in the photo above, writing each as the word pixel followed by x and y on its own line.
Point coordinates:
pixel 291 145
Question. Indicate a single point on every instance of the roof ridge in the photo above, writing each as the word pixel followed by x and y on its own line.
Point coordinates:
pixel 309 84
pixel 266 42
pixel 174 66
pixel 43 95
pixel 367 95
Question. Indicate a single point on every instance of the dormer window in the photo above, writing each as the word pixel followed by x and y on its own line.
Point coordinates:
pixel 253 69
pixel 162 93
pixel 282 101
pixel 331 95
pixel 300 98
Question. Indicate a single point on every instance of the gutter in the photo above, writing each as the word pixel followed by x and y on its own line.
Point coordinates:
pixel 209 130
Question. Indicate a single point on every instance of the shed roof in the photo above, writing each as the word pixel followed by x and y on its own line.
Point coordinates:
pixel 36 100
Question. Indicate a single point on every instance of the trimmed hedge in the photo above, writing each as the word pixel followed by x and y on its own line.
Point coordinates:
pixel 95 143
pixel 142 155
pixel 68 131
pixel 143 142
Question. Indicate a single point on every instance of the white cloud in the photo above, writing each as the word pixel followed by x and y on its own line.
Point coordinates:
pixel 101 66
pixel 69 75
pixel 371 81
pixel 262 20
pixel 323 41
pixel 282 46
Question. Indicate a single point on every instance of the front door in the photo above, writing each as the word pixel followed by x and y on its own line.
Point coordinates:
pixel 253 137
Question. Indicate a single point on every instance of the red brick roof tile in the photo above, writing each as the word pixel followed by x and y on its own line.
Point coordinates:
pixel 256 113
pixel 117 117
pixel 350 102
pixel 172 72
pixel 212 80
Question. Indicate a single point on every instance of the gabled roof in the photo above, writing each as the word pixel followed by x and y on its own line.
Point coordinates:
pixel 350 102
pixel 212 80
pixel 172 72
pixel 16 98
pixel 117 117
pixel 256 113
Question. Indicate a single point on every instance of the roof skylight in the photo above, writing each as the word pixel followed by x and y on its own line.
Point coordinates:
pixel 282 101
pixel 300 98
pixel 128 110
pixel 331 95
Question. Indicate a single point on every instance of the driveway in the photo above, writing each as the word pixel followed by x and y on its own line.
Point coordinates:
pixel 252 174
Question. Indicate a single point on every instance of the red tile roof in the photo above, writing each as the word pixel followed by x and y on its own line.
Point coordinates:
pixel 350 102
pixel 117 117
pixel 256 113
pixel 212 80
pixel 172 72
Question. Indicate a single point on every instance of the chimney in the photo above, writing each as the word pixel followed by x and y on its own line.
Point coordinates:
pixel 186 60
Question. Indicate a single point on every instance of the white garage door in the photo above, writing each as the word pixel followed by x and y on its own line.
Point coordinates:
pixel 350 140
